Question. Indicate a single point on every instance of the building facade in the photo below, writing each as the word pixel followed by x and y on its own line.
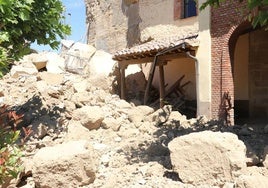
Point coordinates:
pixel 227 81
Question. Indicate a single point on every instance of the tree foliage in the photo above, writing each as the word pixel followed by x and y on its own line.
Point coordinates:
pixel 26 21
pixel 256 10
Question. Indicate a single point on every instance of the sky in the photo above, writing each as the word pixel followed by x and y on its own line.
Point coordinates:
pixel 75 17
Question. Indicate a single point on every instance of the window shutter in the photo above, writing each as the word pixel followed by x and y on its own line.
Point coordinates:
pixel 189 8
pixel 178 9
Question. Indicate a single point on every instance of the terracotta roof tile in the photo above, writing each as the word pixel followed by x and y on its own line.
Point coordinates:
pixel 152 47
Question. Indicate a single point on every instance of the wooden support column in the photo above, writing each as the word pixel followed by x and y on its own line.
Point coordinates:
pixel 161 85
pixel 123 82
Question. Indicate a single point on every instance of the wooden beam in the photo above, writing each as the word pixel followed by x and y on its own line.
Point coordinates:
pixel 151 59
pixel 123 83
pixel 136 61
pixel 161 85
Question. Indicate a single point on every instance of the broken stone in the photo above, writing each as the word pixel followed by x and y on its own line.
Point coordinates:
pixel 137 114
pixel 19 70
pixel 111 123
pixel 90 117
pixel 101 64
pixel 71 164
pixel 81 86
pixel 160 116
pixel 245 181
pixel 41 131
pixel 51 78
pixel 207 157
pixel 76 131
pixel 55 63
pixel 176 119
pixel 39 60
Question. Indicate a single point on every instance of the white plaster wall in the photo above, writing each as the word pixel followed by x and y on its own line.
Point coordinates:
pixel 173 71
pixel 155 13
pixel 204 64
pixel 178 68
pixel 198 73
pixel 161 12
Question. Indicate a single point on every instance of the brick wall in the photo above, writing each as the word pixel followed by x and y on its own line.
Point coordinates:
pixel 224 21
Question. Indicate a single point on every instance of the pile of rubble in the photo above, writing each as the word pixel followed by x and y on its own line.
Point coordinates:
pixel 86 136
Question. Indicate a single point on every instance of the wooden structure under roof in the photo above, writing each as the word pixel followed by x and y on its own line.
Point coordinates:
pixel 157 52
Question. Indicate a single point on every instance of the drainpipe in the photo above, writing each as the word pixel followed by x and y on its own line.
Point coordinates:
pixel 196 80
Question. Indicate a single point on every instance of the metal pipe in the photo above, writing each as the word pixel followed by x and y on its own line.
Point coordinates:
pixel 152 70
pixel 196 79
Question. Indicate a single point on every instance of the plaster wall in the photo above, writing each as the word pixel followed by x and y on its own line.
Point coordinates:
pixel 199 74
pixel 114 25
pixel 157 12
pixel 173 71
pixel 241 60
pixel 203 67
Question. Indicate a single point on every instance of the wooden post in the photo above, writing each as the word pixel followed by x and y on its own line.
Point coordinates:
pixel 162 85
pixel 123 82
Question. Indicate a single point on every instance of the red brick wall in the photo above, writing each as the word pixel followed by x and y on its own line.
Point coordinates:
pixel 224 21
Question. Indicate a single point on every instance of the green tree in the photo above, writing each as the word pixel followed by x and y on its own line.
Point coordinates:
pixel 256 10
pixel 26 21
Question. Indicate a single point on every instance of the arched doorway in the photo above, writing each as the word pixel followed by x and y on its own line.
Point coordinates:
pixel 249 54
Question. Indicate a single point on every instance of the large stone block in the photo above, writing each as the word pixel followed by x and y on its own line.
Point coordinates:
pixel 71 164
pixel 207 157
pixel 101 64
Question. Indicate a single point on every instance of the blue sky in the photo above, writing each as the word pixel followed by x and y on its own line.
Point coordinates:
pixel 75 16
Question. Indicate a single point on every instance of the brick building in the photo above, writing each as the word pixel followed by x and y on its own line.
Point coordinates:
pixel 228 80
pixel 239 65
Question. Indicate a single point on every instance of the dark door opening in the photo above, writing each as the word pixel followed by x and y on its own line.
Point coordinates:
pixel 251 77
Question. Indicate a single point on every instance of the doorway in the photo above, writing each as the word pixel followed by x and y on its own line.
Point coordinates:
pixel 251 77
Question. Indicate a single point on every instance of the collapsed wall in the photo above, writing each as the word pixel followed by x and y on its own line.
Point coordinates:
pixel 108 24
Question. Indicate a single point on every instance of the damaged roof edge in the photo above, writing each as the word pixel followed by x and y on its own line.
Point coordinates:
pixel 151 48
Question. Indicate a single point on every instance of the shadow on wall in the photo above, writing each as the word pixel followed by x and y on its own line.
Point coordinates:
pixel 131 10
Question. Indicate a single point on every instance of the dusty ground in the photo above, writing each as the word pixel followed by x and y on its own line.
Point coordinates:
pixel 131 155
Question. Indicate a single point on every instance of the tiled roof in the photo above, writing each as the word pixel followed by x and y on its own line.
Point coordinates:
pixel 151 48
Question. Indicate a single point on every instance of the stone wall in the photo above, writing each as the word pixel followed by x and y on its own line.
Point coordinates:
pixel 117 24
pixel 107 24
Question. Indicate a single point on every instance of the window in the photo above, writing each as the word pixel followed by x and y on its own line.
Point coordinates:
pixel 184 9
pixel 189 8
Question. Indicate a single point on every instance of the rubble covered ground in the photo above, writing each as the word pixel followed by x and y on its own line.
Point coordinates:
pixel 84 135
